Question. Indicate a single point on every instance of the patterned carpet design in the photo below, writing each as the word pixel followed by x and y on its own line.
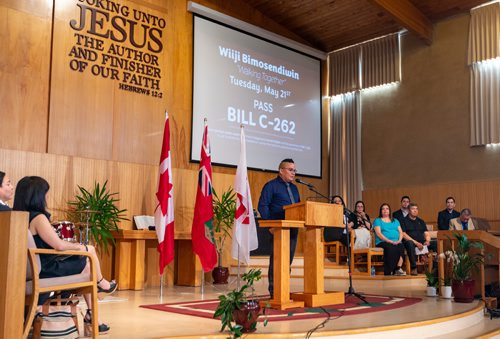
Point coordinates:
pixel 352 306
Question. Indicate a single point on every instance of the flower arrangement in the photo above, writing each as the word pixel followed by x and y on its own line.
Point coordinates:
pixel 450 257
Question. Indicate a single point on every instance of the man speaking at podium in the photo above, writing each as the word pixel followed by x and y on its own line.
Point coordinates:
pixel 275 194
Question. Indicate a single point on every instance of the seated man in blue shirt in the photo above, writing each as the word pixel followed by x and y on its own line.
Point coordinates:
pixel 275 194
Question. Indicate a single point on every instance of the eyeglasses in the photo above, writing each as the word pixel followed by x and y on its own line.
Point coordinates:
pixel 292 170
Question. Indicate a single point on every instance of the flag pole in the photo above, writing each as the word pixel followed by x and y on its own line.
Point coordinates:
pixel 161 288
pixel 202 284
pixel 238 275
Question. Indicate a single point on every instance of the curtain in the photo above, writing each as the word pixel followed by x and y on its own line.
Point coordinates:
pixel 484 46
pixel 345 71
pixel 484 33
pixel 373 63
pixel 380 61
pixel 485 103
pixel 376 62
pixel 345 159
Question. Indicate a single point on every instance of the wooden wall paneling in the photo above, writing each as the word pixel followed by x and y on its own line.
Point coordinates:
pixel 33 7
pixel 185 182
pixel 137 128
pixel 136 185
pixel 495 199
pixel 179 49
pixel 24 75
pixel 159 5
pixel 139 118
pixel 81 105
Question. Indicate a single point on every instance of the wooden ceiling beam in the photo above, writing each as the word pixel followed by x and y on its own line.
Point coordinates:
pixel 409 16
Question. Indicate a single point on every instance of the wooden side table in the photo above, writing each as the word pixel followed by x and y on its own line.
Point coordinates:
pixel 130 255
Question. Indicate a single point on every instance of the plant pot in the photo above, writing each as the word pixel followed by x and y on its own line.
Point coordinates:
pixel 220 275
pixel 431 291
pixel 446 292
pixel 463 291
pixel 247 316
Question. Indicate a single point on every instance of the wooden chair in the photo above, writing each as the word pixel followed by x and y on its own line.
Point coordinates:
pixel 336 250
pixel 367 257
pixel 79 283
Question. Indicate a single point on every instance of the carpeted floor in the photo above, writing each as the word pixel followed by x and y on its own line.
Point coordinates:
pixel 352 306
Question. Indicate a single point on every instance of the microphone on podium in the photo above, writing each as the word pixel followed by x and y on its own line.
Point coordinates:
pixel 304 183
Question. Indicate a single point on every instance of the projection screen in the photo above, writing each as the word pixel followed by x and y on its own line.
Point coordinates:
pixel 272 91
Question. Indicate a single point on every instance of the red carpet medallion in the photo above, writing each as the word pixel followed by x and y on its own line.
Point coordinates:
pixel 352 306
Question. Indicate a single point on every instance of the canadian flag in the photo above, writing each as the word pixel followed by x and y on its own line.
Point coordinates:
pixel 244 231
pixel 164 212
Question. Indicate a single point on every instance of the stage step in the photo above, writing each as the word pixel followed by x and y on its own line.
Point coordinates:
pixel 336 277
pixel 297 269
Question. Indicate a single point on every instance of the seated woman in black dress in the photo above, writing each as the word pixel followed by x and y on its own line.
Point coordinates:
pixel 336 233
pixel 30 196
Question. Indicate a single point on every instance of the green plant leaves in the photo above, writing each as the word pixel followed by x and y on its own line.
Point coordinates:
pixel 465 262
pixel 235 300
pixel 105 216
pixel 224 210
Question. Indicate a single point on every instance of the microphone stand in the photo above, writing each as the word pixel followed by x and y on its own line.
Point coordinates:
pixel 351 290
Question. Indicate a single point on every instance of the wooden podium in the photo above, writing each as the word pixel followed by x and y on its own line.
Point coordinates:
pixel 316 215
pixel 491 242
pixel 281 246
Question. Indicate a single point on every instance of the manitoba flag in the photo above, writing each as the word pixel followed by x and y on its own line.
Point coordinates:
pixel 202 232
pixel 164 212
pixel 244 231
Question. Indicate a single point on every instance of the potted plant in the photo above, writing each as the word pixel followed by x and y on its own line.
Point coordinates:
pixel 240 307
pixel 224 209
pixel 464 264
pixel 99 209
pixel 432 284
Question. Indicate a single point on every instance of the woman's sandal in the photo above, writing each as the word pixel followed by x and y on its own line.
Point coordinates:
pixel 87 321
pixel 112 287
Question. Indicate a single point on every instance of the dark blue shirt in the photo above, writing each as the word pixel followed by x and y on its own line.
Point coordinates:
pixel 465 225
pixel 273 197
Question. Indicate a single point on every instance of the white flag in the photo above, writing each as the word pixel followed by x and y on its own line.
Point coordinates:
pixel 244 231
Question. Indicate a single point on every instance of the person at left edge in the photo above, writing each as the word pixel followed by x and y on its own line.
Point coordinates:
pixel 275 194
pixel 6 191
